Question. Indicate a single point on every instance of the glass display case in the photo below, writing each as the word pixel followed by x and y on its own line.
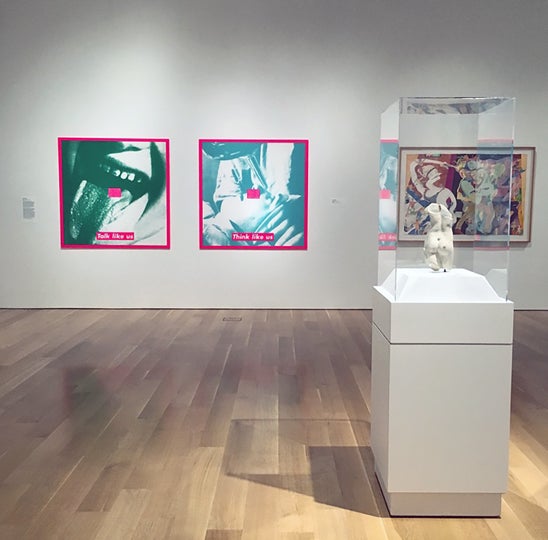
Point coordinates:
pixel 444 331
pixel 457 152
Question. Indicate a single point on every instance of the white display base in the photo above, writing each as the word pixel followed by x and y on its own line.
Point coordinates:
pixel 441 504
pixel 441 404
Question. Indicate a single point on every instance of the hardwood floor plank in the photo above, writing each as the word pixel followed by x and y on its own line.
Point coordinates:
pixel 114 455
pixel 122 521
pixel 533 516
pixel 261 520
pixel 157 519
pixel 218 423
pixel 13 376
pixel 10 532
pixel 192 506
pixel 328 390
pixel 509 527
pixel 229 504
pixel 80 525
pixel 9 497
pixel 224 425
pixel 217 534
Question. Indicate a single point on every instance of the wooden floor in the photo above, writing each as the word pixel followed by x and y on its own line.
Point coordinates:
pixel 223 425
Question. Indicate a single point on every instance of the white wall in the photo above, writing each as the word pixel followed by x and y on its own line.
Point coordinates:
pixel 322 70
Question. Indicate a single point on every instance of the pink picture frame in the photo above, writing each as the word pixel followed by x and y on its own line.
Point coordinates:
pixel 114 193
pixel 253 194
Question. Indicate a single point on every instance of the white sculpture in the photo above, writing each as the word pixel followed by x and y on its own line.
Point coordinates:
pixel 438 245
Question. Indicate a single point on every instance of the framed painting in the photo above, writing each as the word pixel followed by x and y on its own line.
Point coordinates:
pixel 489 192
pixel 114 193
pixel 253 194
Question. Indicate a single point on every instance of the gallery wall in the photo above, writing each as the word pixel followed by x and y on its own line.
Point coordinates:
pixel 320 70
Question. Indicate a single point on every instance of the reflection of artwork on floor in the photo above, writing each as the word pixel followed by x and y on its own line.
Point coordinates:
pixel 489 193
pixel 253 194
pixel 114 193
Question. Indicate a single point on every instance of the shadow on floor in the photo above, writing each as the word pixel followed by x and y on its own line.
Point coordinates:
pixel 275 453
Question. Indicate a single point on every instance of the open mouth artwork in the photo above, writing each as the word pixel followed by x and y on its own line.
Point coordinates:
pixel 114 193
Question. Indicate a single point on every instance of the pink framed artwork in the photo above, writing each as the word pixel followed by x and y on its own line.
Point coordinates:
pixel 253 194
pixel 114 193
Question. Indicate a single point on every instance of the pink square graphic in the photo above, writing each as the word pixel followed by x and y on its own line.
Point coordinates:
pixel 114 192
pixel 253 194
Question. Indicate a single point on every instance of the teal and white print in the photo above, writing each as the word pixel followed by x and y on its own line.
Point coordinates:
pixel 253 194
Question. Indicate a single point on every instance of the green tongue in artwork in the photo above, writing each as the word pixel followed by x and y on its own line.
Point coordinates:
pixel 93 209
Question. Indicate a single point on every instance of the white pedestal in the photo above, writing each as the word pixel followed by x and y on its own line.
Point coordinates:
pixel 441 385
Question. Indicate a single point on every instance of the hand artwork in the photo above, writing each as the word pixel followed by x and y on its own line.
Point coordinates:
pixel 438 245
pixel 253 194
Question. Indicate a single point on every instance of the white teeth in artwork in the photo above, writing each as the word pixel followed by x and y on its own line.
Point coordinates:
pixel 139 160
pixel 124 175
